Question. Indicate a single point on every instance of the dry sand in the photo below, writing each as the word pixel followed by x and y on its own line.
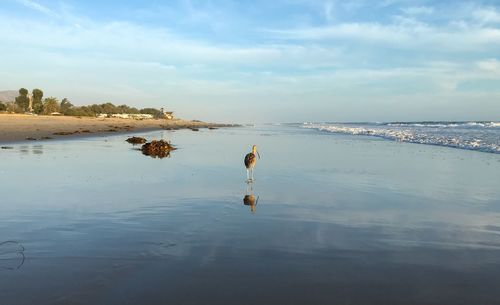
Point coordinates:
pixel 20 127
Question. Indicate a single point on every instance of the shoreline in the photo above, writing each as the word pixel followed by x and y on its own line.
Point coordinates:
pixel 21 127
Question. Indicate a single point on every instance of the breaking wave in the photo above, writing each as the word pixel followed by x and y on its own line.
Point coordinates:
pixel 479 136
pixel 445 124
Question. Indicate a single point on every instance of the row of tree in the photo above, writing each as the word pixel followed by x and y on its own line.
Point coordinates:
pixel 49 105
pixel 34 103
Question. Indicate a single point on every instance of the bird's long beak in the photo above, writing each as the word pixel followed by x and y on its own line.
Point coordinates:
pixel 258 154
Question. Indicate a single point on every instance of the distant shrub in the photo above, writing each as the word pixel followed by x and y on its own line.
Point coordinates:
pixel 80 111
pixel 13 107
pixel 50 105
pixel 153 111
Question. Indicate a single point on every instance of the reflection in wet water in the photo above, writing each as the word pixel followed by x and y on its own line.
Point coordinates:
pixel 34 149
pixel 159 155
pixel 11 255
pixel 37 149
pixel 24 149
pixel 250 199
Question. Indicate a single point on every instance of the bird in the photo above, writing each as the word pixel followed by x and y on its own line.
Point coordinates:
pixel 250 160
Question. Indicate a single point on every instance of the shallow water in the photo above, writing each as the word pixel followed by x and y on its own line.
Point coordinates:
pixel 340 219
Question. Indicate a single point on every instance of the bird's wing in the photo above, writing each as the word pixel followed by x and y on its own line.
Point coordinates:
pixel 249 159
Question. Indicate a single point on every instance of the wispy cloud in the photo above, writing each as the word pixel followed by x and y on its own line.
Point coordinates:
pixel 487 15
pixel 418 10
pixel 125 40
pixel 37 7
pixel 490 65
pixel 404 33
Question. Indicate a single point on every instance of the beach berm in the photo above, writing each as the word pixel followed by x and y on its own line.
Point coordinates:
pixel 18 127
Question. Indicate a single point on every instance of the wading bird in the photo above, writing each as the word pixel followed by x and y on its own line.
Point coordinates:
pixel 250 160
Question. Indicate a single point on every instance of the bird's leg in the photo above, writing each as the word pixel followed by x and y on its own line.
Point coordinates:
pixel 252 174
pixel 248 175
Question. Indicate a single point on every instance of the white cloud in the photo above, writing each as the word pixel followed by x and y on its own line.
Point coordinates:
pixel 352 31
pixel 418 10
pixel 404 33
pixel 487 15
pixel 37 7
pixel 126 41
pixel 490 65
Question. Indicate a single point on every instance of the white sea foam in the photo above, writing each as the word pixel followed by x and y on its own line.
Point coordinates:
pixel 445 124
pixel 481 136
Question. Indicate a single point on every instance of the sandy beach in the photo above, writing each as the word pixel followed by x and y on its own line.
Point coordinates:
pixel 20 127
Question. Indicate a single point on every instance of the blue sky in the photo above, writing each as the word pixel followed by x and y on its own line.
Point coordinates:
pixel 261 61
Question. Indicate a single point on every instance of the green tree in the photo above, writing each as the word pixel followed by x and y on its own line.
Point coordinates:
pixel 50 104
pixel 13 107
pixel 65 106
pixel 127 109
pixel 23 101
pixel 85 111
pixel 109 108
pixel 2 107
pixel 37 100
pixel 153 111
pixel 80 111
pixel 96 108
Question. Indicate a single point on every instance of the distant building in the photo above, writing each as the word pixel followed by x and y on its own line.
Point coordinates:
pixel 138 116
pixel 141 116
pixel 169 115
pixel 121 115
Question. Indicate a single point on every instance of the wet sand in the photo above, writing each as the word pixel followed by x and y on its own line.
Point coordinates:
pixel 337 219
pixel 21 127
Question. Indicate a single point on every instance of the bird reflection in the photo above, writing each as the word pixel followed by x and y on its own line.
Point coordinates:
pixel 250 199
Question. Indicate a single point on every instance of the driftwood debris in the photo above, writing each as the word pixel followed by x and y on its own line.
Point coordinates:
pixel 136 140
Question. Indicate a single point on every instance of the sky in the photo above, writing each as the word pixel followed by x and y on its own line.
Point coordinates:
pixel 261 61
